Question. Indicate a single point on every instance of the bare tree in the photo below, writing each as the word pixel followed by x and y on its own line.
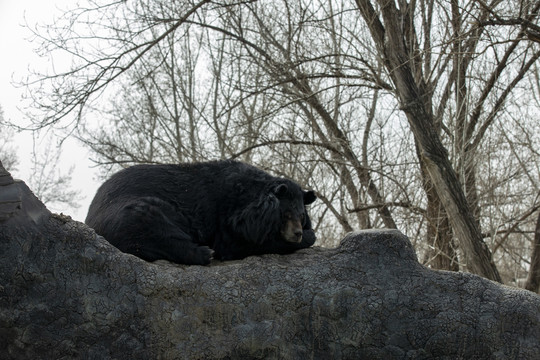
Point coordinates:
pixel 397 117
pixel 533 280
pixel 7 148
pixel 49 181
pixel 392 47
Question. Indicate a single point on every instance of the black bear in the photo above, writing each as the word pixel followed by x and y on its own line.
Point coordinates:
pixel 189 213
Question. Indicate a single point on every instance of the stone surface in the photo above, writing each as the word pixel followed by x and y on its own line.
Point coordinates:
pixel 66 293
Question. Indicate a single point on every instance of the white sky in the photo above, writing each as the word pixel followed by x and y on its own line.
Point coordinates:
pixel 16 56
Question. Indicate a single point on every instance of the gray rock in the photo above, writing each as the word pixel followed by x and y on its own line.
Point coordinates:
pixel 66 293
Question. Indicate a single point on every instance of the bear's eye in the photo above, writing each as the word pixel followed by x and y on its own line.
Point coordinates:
pixel 288 216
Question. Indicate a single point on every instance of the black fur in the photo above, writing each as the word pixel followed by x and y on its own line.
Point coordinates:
pixel 187 213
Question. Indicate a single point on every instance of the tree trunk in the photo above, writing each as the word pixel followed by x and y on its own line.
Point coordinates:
pixel 439 232
pixel 533 280
pixel 466 161
pixel 477 255
pixel 67 293
pixel 392 50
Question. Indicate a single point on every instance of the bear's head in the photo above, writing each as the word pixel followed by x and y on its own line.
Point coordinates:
pixel 292 210
pixel 278 213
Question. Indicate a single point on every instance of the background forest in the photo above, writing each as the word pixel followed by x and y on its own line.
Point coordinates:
pixel 417 115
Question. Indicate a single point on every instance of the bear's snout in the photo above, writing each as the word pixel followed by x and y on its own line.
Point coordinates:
pixel 292 231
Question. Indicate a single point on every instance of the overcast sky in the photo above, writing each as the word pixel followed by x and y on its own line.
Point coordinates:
pixel 16 57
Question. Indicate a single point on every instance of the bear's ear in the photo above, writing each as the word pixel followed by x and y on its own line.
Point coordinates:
pixel 309 197
pixel 280 189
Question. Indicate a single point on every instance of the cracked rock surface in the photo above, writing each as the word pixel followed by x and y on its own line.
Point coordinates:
pixel 66 293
